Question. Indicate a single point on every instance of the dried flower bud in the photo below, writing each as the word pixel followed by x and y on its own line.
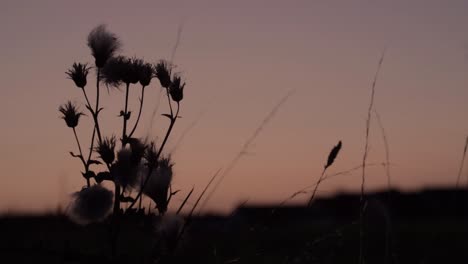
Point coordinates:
pixel 121 69
pixel 128 165
pixel 177 89
pixel 158 185
pixel 151 155
pixel 163 73
pixel 103 45
pixel 70 113
pixel 91 204
pixel 78 73
pixel 123 170
pixel 145 72
pixel 106 149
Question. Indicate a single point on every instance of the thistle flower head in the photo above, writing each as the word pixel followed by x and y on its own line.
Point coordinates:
pixel 123 170
pixel 103 45
pixel 176 89
pixel 106 149
pixel 138 148
pixel 151 155
pixel 70 114
pixel 158 185
pixel 128 165
pixel 145 72
pixel 119 70
pixel 91 204
pixel 163 73
pixel 78 73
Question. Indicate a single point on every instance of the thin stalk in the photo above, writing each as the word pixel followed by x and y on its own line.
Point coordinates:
pixel 96 111
pixel 189 217
pixel 87 100
pixel 388 233
pixel 460 170
pixel 364 159
pixel 94 119
pixel 387 149
pixel 185 200
pixel 79 146
pixel 139 112
pixel 169 101
pixel 247 144
pixel 81 156
pixel 92 140
pixel 316 187
pixel 124 129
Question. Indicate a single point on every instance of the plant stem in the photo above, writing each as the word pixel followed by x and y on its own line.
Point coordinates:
pixel 316 187
pixel 460 170
pixel 94 130
pixel 81 155
pixel 139 111
pixel 124 130
pixel 364 159
pixel 169 101
pixel 96 111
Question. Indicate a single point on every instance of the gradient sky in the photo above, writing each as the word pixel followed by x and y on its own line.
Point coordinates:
pixel 239 58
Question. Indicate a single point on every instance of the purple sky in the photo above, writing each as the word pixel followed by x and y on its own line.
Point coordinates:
pixel 239 58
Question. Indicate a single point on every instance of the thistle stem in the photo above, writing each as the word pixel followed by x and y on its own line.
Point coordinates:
pixel 87 100
pixel 124 129
pixel 169 101
pixel 94 130
pixel 81 155
pixel 96 111
pixel 139 111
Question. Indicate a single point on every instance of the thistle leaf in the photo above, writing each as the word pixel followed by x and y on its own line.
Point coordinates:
pixel 126 199
pixel 89 174
pixel 97 162
pixel 75 155
pixel 167 115
pixel 103 176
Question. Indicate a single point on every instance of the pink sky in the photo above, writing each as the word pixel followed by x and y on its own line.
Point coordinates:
pixel 239 58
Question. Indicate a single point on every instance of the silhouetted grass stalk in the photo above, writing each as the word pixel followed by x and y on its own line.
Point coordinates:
pixel 249 141
pixel 387 149
pixel 364 159
pixel 190 215
pixel 389 187
pixel 316 187
pixel 462 162
pixel 331 158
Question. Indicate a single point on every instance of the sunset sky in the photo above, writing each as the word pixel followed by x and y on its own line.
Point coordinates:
pixel 239 58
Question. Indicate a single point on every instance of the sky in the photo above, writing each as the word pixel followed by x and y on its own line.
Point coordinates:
pixel 239 58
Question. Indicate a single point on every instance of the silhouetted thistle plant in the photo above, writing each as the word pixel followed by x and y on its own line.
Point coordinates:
pixel 138 165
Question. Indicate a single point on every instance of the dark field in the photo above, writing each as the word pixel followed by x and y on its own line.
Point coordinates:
pixel 425 227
